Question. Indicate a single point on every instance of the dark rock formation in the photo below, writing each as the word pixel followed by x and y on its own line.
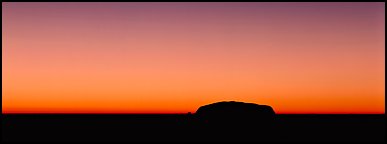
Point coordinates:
pixel 235 113
pixel 235 121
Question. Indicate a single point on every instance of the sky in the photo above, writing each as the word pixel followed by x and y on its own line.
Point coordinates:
pixel 299 58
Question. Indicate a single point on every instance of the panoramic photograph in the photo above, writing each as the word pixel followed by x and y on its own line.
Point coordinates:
pixel 193 72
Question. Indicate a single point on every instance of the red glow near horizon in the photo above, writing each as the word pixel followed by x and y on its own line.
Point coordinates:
pixel 322 58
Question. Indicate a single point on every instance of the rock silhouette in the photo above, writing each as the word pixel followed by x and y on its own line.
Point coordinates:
pixel 231 120
pixel 232 112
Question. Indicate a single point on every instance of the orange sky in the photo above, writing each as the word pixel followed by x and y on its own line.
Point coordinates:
pixel 175 57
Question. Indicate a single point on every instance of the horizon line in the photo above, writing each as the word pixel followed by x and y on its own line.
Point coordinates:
pixel 85 113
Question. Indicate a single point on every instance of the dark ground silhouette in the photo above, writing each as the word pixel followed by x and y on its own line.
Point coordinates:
pixel 199 127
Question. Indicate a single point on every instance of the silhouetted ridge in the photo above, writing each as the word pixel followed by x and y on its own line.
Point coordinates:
pixel 236 121
pixel 235 112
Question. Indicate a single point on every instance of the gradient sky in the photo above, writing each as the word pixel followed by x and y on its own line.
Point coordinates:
pixel 175 57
